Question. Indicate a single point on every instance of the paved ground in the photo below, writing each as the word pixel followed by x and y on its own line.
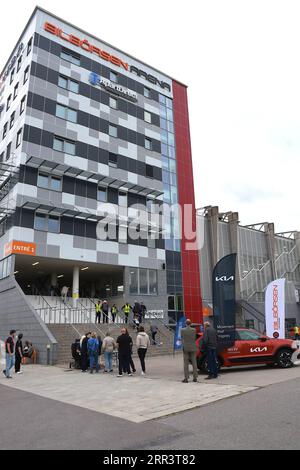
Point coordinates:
pixel 266 417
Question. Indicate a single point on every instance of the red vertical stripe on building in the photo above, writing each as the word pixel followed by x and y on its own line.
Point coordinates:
pixel 189 258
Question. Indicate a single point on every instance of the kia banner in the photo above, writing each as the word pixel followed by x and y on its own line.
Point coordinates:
pixel 275 309
pixel 177 337
pixel 224 303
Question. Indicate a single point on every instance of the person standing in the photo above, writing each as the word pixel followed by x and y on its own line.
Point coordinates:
pixel 154 330
pixel 108 347
pixel 137 311
pixel 64 293
pixel 124 342
pixel 93 350
pixel 105 310
pixel 142 344
pixel 126 309
pixel 98 312
pixel 144 311
pixel 9 353
pixel 188 336
pixel 210 343
pixel 84 352
pixel 19 354
pixel 114 312
pixel 131 363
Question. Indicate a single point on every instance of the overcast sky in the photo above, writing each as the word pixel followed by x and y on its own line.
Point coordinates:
pixel 240 60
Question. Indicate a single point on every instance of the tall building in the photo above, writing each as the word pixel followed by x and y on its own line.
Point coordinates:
pixel 89 135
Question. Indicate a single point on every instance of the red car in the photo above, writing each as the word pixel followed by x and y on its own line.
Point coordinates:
pixel 251 347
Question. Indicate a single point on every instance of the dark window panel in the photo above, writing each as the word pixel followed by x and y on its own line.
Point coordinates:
pixel 80 188
pixel 68 185
pixel 131 136
pixel 112 196
pixel 103 156
pixel 93 153
pixel 94 123
pixel 84 89
pixel 47 139
pixel 27 218
pixel 85 62
pixel 81 149
pixel 90 229
pixel 79 228
pixel 67 225
pixel 91 191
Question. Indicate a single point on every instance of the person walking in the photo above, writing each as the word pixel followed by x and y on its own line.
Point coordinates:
pixel 126 309
pixel 108 347
pixel 210 343
pixel 64 293
pixel 154 331
pixel 188 336
pixel 144 311
pixel 9 353
pixel 105 311
pixel 142 344
pixel 137 311
pixel 131 363
pixel 124 342
pixel 114 312
pixel 84 352
pixel 93 351
pixel 98 312
pixel 19 354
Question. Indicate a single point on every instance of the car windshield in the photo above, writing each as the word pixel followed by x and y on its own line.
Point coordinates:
pixel 250 335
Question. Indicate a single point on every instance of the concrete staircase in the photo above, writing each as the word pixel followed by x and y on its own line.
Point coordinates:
pixel 65 334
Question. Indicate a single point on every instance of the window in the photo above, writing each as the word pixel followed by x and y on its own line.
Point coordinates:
pixel 19 138
pixel 113 160
pixel 113 76
pixel 68 84
pixel 12 120
pixel 4 130
pixel 16 90
pixel 12 76
pixel 146 92
pixel 8 103
pixel 133 281
pixel 122 200
pixel 19 63
pixel 47 223
pixel 143 281
pixel 102 194
pixel 8 151
pixel 64 145
pixel 152 281
pixel 113 131
pixel 26 74
pixel 49 182
pixel 22 105
pixel 70 56
pixel 149 171
pixel 66 113
pixel 113 103
pixel 29 46
pixel 148 144
pixel 147 117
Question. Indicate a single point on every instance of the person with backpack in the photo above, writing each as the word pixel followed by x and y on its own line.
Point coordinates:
pixel 108 347
pixel 93 351
pixel 142 344
pixel 19 354
pixel 9 353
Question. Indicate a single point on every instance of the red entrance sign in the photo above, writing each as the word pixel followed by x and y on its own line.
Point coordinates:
pixel 19 248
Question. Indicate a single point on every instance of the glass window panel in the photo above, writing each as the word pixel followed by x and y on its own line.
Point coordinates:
pixel 167 194
pixel 163 112
pixel 172 165
pixel 40 222
pixel 113 77
pixel 179 302
pixel 164 137
pixel 171 152
pixel 170 127
pixel 169 244
pixel 113 103
pixel 60 111
pixel 133 281
pixel 58 145
pixel 74 86
pixel 147 117
pixel 122 234
pixel 43 181
pixel 113 131
pixel 165 163
pixel 69 147
pixel 163 124
pixel 171 302
pixel 143 281
pixel 162 99
pixel 148 144
pixel 169 114
pixel 74 60
pixel 55 184
pixel 102 195
pixel 64 55
pixel 152 281
pixel 173 179
pixel 72 115
pixel 171 139
pixel 166 177
pixel 169 103
pixel 164 149
pixel 62 82
pixel 53 224
pixel 173 195
pixel 146 92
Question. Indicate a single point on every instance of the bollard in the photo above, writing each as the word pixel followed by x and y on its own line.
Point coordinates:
pixel 48 354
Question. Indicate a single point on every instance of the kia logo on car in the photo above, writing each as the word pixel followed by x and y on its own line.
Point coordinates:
pixel 258 350
pixel 224 279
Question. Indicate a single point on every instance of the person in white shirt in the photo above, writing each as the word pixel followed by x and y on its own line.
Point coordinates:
pixel 142 344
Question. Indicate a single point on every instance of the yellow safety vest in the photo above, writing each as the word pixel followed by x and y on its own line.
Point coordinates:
pixel 98 308
pixel 127 308
pixel 296 330
pixel 114 310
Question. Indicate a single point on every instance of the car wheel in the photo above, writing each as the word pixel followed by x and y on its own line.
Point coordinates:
pixel 284 358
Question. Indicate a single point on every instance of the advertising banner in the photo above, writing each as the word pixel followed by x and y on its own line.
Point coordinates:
pixel 224 302
pixel 275 309
pixel 177 336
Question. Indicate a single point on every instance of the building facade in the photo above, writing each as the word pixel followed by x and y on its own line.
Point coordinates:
pixel 91 140
pixel 262 256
